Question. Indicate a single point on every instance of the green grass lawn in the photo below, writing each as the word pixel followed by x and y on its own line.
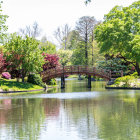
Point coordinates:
pixel 12 85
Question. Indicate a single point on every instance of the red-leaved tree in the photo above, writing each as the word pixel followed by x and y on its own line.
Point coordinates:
pixel 13 62
pixel 51 61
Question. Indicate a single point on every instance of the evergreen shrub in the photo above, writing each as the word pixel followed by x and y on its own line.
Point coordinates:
pixel 52 82
pixel 35 79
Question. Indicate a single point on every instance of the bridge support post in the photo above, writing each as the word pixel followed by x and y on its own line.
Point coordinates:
pixel 89 81
pixel 62 82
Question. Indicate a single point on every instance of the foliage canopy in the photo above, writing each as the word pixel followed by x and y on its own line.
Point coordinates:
pixel 3 27
pixel 119 34
pixel 24 54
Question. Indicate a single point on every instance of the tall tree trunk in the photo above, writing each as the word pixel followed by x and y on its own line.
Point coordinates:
pixel 23 78
pixel 137 68
pixel 92 56
pixel 17 79
pixel 92 46
pixel 65 43
pixel 86 51
pixel 23 75
pixel 86 55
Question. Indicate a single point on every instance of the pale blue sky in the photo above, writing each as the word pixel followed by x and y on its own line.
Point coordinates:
pixel 53 13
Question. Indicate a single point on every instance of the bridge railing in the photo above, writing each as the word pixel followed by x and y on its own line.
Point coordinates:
pixel 89 70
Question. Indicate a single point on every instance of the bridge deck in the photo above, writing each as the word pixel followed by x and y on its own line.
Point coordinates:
pixel 69 70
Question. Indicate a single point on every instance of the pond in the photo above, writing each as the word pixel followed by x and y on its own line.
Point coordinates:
pixel 74 113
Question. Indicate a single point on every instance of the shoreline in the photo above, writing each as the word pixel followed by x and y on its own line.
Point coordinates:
pixel 12 86
pixel 131 88
pixel 22 91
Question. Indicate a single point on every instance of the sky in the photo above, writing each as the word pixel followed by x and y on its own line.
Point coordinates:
pixel 50 14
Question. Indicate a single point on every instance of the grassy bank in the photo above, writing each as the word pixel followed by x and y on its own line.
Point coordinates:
pixel 12 85
pixel 130 81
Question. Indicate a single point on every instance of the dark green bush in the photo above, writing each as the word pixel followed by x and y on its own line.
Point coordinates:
pixel 52 82
pixel 35 79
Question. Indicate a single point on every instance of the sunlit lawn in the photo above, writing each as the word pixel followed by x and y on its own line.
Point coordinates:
pixel 12 85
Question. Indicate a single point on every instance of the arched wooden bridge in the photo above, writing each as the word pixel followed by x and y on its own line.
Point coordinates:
pixel 61 71
pixel 69 70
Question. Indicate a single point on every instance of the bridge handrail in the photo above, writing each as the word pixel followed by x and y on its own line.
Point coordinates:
pixel 73 69
pixel 77 69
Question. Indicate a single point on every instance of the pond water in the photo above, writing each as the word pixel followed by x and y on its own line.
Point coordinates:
pixel 74 113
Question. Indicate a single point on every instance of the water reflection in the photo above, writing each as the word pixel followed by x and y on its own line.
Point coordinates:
pixel 110 115
pixel 78 86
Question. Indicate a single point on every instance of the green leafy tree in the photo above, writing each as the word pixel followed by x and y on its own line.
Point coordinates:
pixel 78 57
pixel 94 54
pixel 24 55
pixel 65 57
pixel 76 46
pixel 119 34
pixel 114 64
pixel 47 47
pixel 73 39
pixel 3 27
pixel 85 26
